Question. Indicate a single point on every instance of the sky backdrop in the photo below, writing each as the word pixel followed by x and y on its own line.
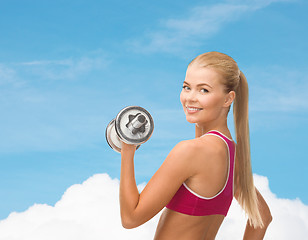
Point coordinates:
pixel 68 67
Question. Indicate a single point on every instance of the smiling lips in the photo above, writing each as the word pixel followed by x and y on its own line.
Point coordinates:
pixel 193 109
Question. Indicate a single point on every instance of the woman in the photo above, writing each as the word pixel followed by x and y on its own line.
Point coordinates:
pixel 199 177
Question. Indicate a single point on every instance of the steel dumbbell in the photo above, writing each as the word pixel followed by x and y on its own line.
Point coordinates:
pixel 133 125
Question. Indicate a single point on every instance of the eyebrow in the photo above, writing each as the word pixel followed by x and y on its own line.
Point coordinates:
pixel 200 84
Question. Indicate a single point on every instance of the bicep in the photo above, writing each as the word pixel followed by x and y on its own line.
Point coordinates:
pixel 164 183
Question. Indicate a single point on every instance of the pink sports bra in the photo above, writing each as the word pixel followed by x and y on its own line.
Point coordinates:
pixel 188 202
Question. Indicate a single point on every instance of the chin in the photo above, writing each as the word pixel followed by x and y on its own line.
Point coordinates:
pixel 191 120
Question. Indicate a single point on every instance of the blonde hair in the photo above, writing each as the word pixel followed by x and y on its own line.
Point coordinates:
pixel 235 80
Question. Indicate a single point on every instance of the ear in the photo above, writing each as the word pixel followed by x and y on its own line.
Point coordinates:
pixel 229 99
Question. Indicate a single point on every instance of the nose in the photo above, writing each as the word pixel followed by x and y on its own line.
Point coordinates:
pixel 191 96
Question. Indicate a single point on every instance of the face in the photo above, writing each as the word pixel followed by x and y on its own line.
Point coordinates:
pixel 203 96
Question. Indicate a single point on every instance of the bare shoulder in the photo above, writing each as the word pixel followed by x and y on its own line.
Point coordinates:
pixel 187 147
pixel 183 152
pixel 206 149
pixel 210 145
pixel 179 158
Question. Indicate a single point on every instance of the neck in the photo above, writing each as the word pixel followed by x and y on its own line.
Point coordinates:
pixel 201 129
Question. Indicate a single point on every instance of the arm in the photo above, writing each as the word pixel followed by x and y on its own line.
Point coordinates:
pixel 252 233
pixel 137 208
pixel 129 195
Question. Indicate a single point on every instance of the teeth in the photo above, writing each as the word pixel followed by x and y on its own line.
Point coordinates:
pixel 192 109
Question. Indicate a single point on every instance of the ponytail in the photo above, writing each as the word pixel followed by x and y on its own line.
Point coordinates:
pixel 247 196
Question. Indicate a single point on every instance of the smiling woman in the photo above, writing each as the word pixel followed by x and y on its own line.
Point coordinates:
pixel 203 174
pixel 202 93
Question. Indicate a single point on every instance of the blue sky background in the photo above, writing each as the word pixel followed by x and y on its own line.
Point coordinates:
pixel 67 67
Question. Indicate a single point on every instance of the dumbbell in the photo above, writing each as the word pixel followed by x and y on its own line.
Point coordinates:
pixel 133 125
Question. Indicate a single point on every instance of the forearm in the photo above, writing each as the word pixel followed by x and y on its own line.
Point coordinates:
pixel 129 195
pixel 252 233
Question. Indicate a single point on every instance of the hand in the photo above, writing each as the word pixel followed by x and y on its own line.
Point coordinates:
pixel 128 148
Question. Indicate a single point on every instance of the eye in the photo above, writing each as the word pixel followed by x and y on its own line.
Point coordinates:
pixel 186 88
pixel 203 90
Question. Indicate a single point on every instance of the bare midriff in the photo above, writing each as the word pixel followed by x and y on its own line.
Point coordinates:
pixel 175 225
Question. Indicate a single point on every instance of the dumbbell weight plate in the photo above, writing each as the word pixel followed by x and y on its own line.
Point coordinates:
pixel 112 138
pixel 125 134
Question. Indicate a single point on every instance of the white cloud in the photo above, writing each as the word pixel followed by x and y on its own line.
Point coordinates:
pixel 8 77
pixel 256 4
pixel 49 115
pixel 47 120
pixel 277 89
pixel 86 211
pixel 91 211
pixel 5 74
pixel 200 23
pixel 69 68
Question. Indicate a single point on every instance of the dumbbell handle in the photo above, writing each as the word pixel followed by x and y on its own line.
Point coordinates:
pixel 136 123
